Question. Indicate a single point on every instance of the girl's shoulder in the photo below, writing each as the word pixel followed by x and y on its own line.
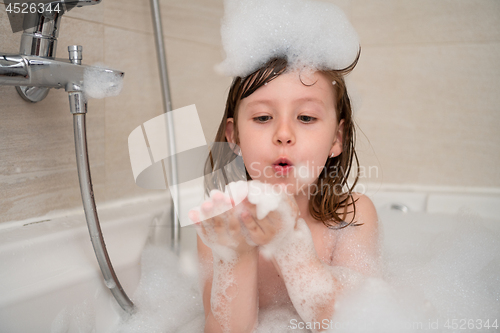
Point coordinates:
pixel 358 244
pixel 360 211
pixel 365 212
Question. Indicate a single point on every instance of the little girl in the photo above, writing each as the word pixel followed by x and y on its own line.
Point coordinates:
pixel 295 130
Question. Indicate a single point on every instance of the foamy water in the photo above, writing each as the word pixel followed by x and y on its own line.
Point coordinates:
pixel 436 268
pixel 166 299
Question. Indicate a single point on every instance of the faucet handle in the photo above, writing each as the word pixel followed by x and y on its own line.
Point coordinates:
pixel 75 54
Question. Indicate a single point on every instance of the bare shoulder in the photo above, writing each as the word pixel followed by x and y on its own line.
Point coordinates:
pixel 358 244
pixel 365 212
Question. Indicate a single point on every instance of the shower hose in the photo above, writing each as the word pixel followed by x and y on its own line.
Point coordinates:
pixel 78 107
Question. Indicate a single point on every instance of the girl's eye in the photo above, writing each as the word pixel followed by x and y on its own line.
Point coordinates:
pixel 262 119
pixel 306 119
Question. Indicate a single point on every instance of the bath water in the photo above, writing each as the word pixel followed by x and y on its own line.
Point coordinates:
pixel 439 270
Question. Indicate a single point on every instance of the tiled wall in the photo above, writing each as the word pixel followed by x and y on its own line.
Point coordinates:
pixel 37 163
pixel 427 87
pixel 425 90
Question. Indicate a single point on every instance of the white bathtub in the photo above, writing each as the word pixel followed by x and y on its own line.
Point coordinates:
pixel 47 265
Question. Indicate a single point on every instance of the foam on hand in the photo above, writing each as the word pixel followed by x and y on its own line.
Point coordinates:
pixel 100 82
pixel 265 197
pixel 308 33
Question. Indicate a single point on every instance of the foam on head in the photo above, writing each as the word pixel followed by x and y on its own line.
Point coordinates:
pixel 308 33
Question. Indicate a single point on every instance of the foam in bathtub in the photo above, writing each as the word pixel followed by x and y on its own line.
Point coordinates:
pixel 449 270
pixel 443 267
pixel 166 300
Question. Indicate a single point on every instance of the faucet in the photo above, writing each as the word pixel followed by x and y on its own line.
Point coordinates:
pixel 34 71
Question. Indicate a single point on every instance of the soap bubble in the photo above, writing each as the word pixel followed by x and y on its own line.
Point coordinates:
pixel 307 33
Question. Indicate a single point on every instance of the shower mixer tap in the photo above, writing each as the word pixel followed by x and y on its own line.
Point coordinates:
pixel 35 69
pixel 33 76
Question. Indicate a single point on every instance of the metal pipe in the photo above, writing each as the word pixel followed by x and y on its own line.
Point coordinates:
pixel 167 106
pixel 78 107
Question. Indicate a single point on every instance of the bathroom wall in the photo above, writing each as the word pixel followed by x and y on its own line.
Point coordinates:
pixel 37 164
pixel 427 89
pixel 425 94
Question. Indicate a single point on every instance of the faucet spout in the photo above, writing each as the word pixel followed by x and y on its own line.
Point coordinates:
pixel 32 71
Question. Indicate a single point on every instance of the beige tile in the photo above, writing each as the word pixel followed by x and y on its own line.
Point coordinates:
pixel 133 15
pixel 140 100
pixel 9 41
pixel 192 20
pixel 194 81
pixel 431 113
pixel 37 170
pixel 426 21
pixel 94 13
pixel 38 166
pixel 78 32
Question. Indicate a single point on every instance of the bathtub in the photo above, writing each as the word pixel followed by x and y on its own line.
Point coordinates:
pixel 48 265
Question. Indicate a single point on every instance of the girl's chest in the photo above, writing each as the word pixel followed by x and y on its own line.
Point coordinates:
pixel 272 289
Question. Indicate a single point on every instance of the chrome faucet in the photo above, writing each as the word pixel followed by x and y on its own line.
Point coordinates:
pixel 33 76
pixel 35 70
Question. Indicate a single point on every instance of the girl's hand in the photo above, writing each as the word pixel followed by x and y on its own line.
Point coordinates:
pixel 223 230
pixel 275 225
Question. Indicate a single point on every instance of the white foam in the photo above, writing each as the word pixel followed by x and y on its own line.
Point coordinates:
pixel 439 275
pixel 311 33
pixel 78 318
pixel 265 197
pixel 166 299
pixel 438 270
pixel 99 82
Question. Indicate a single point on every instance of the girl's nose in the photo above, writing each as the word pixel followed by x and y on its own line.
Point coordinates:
pixel 284 135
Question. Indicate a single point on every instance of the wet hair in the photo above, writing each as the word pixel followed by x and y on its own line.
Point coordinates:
pixel 327 206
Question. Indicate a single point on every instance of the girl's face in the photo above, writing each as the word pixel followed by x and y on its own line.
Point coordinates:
pixel 287 130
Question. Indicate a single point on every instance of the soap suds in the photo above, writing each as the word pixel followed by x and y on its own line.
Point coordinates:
pixel 166 300
pixel 308 33
pixel 436 268
pixel 99 82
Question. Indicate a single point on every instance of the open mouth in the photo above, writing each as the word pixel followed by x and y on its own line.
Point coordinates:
pixel 282 165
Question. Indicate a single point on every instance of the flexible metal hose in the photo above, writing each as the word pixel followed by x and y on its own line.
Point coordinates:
pixel 78 109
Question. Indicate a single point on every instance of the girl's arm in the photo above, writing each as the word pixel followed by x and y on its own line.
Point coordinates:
pixel 230 295
pixel 311 284
pixel 228 268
